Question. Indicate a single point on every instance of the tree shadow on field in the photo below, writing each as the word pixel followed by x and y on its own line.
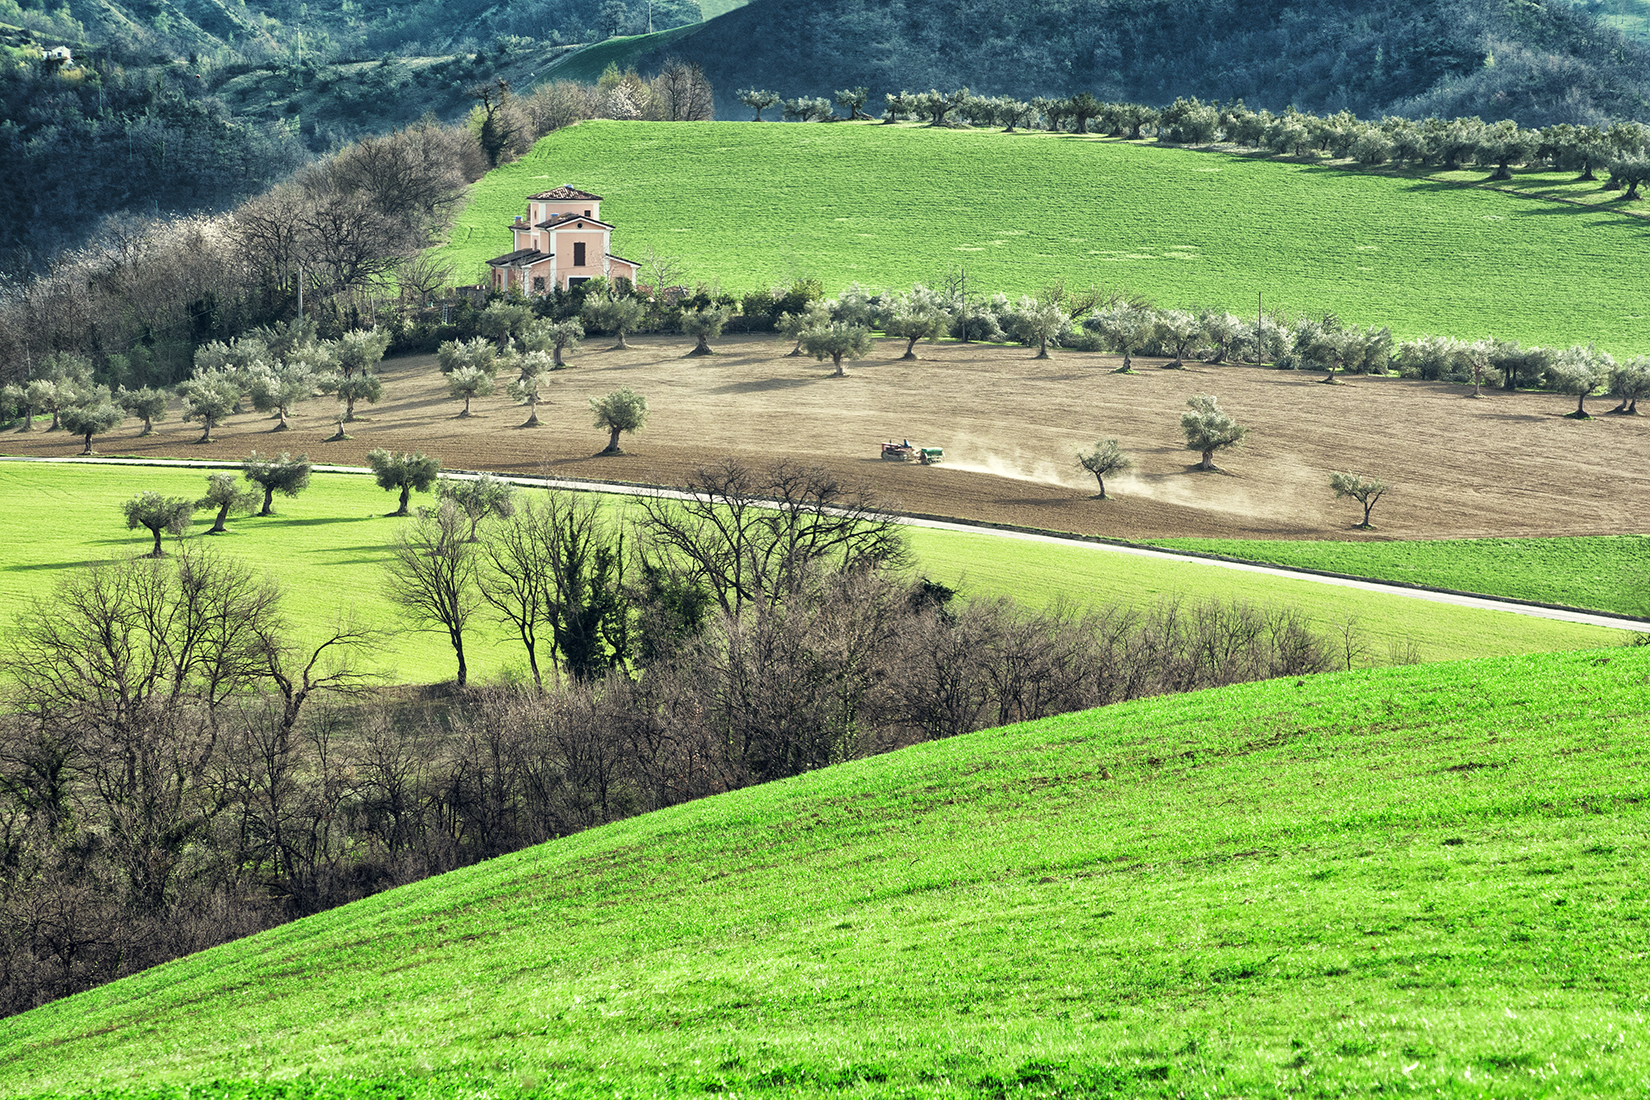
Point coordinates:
pixel 314 521
pixel 1518 418
pixel 766 385
pixel 48 565
pixel 1192 468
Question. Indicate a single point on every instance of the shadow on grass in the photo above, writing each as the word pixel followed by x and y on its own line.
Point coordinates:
pixel 47 565
pixel 277 520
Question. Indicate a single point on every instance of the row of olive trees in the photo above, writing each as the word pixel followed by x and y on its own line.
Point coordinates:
pixel 1623 147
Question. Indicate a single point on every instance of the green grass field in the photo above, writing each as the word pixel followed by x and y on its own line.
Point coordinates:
pixel 1421 880
pixel 327 546
pixel 748 204
pixel 1609 574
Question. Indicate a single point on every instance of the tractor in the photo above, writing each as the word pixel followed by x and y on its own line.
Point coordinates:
pixel 906 451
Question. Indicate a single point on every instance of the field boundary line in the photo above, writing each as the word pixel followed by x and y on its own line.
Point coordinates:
pixel 1409 589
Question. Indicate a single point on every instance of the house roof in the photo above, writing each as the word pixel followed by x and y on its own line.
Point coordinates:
pixel 562 219
pixel 622 260
pixel 519 256
pixel 565 193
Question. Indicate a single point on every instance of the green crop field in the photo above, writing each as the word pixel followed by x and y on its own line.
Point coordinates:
pixel 1424 880
pixel 1610 574
pixel 326 550
pixel 1385 625
pixel 747 204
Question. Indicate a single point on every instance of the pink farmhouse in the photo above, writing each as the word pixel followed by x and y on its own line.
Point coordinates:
pixel 561 242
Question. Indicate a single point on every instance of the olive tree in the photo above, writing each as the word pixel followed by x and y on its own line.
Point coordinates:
pixel 1107 458
pixel 1124 328
pixel 704 325
pixel 1579 371
pixel 1208 429
pixel 223 492
pixel 208 397
pixel 1365 490
pixel 758 100
pixel 1629 382
pixel 159 515
pixel 285 475
pixel 620 411
pixel 470 383
pixel 98 415
pixel 839 340
pixel 556 337
pixel 793 325
pixel 919 315
pixel 409 472
pixel 148 402
pixel 279 386
pixel 615 315
pixel 528 389
pixel 477 497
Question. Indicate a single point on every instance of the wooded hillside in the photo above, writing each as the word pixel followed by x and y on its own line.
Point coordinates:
pixel 1537 62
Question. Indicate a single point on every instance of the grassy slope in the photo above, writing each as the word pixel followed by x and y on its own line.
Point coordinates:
pixel 1606 574
pixel 887 206
pixel 325 548
pixel 1417 879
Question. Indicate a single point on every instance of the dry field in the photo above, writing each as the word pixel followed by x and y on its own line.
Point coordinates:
pixel 1503 465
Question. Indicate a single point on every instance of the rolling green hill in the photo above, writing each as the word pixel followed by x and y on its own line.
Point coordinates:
pixel 1425 879
pixel 749 205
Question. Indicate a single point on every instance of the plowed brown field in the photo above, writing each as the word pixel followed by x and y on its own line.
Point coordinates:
pixel 1502 465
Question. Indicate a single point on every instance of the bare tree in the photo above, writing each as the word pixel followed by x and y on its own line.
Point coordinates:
pixel 432 574
pixel 753 538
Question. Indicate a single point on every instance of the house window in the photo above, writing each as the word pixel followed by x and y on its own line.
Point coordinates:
pixel 575 280
pixel 578 253
pixel 587 213
pixel 538 284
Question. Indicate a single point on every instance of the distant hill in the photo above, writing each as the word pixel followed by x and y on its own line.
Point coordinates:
pixel 1539 61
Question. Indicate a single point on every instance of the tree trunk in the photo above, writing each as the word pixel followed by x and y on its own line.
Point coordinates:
pixel 1102 482
pixel 406 495
pixel 701 347
pixel 217 527
pixel 796 350
pixel 280 414
pixel 1369 506
pixel 349 410
pixel 837 359
pixel 1581 407
pixel 466 411
pixel 1042 350
pixel 532 420
pixel 621 345
pixel 148 427
pixel 206 435
pixel 1503 171
pixel 555 356
pixel 88 449
pixel 910 348
pixel 613 443
pixel 458 648
pixel 269 501
pixel 1208 462
pixel 156 552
